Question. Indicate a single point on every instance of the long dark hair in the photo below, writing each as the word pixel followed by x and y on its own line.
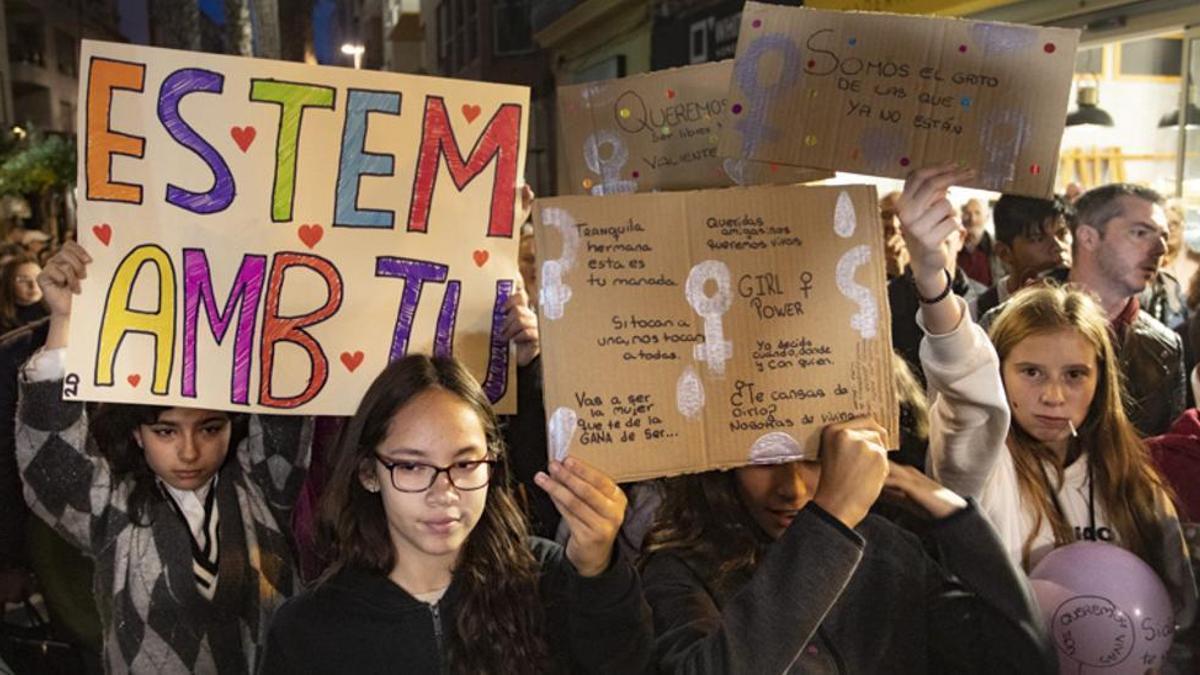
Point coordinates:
pixel 501 626
pixel 112 428
pixel 702 518
pixel 8 296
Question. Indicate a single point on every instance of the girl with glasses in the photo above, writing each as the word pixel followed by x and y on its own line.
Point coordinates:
pixel 433 566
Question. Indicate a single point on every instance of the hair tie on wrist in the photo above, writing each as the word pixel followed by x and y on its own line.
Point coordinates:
pixel 940 296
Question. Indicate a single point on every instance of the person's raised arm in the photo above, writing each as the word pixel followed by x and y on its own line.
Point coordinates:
pixel 63 478
pixel 59 281
pixel 983 617
pixel 927 221
pixel 610 620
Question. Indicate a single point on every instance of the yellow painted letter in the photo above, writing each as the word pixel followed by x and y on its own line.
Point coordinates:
pixel 120 319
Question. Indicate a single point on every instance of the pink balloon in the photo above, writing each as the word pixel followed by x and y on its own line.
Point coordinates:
pixel 1106 610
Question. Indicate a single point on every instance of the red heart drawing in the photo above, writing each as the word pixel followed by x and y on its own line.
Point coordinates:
pixel 481 257
pixel 670 93
pixel 243 136
pixel 311 234
pixel 471 111
pixel 134 379
pixel 103 232
pixel 352 361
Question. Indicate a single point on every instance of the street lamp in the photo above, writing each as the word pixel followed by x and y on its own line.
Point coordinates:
pixel 356 50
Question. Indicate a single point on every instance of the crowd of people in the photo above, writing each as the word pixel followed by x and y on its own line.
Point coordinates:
pixel 1045 365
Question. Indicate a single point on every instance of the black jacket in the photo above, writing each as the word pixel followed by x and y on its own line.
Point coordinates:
pixel 361 622
pixel 15 348
pixel 827 599
pixel 525 436
pixel 1151 357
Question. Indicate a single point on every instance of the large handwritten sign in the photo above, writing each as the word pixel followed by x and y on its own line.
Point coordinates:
pixel 697 330
pixel 268 235
pixel 884 93
pixel 657 131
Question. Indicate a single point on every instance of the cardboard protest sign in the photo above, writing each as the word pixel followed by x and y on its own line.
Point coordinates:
pixel 268 235
pixel 951 7
pixel 883 94
pixel 657 131
pixel 696 330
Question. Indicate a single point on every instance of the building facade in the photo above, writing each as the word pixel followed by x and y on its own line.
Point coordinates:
pixel 493 40
pixel 41 58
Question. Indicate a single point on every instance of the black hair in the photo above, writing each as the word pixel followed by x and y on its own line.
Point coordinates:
pixel 1017 216
pixel 112 428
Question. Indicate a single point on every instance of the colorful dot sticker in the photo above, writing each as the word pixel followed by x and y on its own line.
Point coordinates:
pixel 903 161
pixel 853 41
pixel 587 183
pixel 670 93
pixel 962 49
pixel 810 140
pixel 1035 169
pixel 737 108
pixel 812 64
pixel 713 139
pixel 624 113
pixel 965 101
pixel 666 131
pixel 1049 48
pixel 812 93
pixel 757 23
pixel 635 174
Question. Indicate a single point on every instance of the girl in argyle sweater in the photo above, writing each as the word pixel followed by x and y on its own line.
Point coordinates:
pixel 192 551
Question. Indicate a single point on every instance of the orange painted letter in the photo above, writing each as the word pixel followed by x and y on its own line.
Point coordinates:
pixel 101 141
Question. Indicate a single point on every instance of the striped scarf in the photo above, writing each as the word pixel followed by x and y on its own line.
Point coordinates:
pixel 203 536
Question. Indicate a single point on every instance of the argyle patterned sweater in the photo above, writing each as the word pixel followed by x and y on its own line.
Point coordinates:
pixel 153 617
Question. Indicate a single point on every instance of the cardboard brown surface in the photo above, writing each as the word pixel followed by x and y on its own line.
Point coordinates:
pixel 689 331
pixel 883 94
pixel 657 131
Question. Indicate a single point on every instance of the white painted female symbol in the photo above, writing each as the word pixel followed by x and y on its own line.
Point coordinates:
pixel 715 350
pixel 553 292
pixel 609 169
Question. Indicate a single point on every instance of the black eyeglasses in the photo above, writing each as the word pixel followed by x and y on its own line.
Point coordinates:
pixel 409 476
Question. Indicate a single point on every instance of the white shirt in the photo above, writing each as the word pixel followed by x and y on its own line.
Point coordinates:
pixel 191 503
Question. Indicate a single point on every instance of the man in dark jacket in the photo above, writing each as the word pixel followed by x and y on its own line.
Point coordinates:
pixel 1120 233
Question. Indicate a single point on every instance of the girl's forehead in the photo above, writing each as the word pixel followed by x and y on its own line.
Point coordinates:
pixel 435 418
pixel 1067 344
pixel 185 415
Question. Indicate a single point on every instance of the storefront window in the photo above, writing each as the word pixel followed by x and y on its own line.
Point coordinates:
pixel 1116 141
